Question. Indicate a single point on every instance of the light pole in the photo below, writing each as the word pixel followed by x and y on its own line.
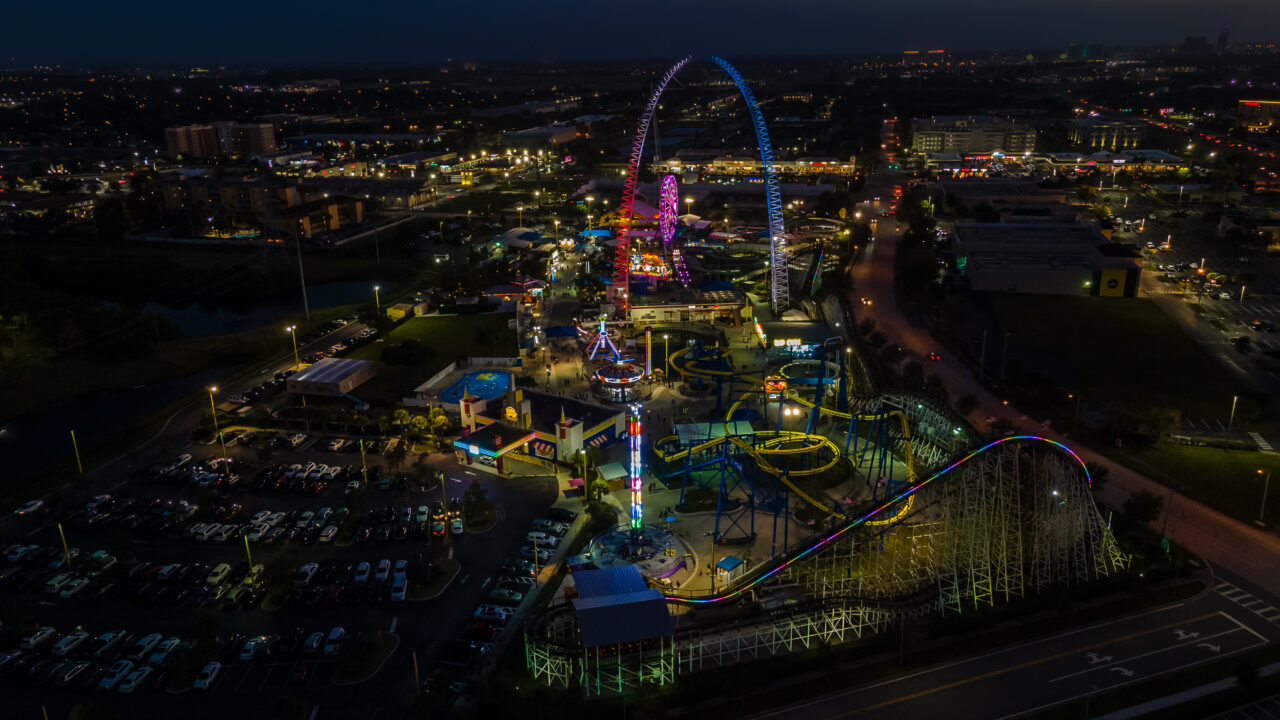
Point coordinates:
pixel 293 333
pixel 666 357
pixel 520 215
pixel 226 461
pixel 377 301
pixel 1232 419
pixel 589 226
pixel 688 205
pixel 557 222
pixel 1266 486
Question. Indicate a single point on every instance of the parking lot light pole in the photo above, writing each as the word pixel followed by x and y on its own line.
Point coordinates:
pixel 248 555
pixel 417 682
pixel 377 302
pixel 293 333
pixel 76 449
pixel 364 469
pixel 226 461
pixel 65 552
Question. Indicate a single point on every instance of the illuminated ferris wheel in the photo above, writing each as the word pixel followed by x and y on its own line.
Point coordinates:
pixel 668 197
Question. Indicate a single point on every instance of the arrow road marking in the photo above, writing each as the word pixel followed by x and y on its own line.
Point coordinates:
pixel 394 620
pixel 464 579
pixel 1123 671
pixel 1210 647
pixel 1095 658
pixel 1184 635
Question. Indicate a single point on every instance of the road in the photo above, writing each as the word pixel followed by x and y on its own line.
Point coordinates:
pixel 1206 532
pixel 1061 668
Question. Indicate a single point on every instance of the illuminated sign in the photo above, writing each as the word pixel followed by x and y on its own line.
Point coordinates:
pixel 760 332
pixel 510 414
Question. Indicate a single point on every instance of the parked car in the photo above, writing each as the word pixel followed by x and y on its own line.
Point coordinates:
pixel 333 643
pixel 136 680
pixel 218 574
pixel 69 643
pixel 118 671
pixel 208 675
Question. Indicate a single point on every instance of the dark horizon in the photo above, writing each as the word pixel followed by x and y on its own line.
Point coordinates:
pixel 391 32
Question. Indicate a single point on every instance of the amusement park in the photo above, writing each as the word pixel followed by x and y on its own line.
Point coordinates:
pixel 748 489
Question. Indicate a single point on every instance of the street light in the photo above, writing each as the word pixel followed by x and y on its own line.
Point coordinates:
pixel 1232 419
pixel 666 357
pixel 377 301
pixel 226 461
pixel 1266 486
pixel 688 205
pixel 520 216
pixel 293 333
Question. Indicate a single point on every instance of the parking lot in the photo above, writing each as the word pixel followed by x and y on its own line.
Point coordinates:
pixel 143 527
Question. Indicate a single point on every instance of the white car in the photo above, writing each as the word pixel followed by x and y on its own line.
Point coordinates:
pixel 69 643
pixel 399 587
pixel 328 534
pixel 362 573
pixel 225 533
pixel 336 444
pixel 22 552
pixel 331 474
pixel 258 531
pixel 29 508
pixel 208 675
pixel 163 651
pixel 35 639
pixel 114 674
pixel 207 532
pixel 182 459
pixel 144 646
pixel 260 517
pixel 384 570
pixel 315 472
pixel 218 573
pixel 135 679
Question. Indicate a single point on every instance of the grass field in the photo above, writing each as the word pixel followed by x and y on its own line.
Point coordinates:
pixel 449 337
pixel 1119 350
pixel 1227 480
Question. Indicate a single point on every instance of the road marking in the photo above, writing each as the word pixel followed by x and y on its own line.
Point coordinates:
pixel 1123 671
pixel 468 472
pixel 394 620
pixel 314 711
pixel 486 582
pixel 1153 652
pixel 464 579
pixel 1032 663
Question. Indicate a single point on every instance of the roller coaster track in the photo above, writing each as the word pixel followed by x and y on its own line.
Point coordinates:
pixel 784 443
pixel 867 518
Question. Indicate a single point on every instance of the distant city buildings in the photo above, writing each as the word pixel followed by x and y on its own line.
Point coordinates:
pixel 967 134
pixel 539 138
pixel 221 138
pixel 1110 135
pixel 1258 115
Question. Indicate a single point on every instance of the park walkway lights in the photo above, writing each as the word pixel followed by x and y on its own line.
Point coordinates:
pixel 377 301
pixel 293 333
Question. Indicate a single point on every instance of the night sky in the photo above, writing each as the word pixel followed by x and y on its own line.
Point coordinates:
pixel 327 31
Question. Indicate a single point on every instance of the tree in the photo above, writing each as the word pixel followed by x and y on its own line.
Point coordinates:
pixel 1142 507
pixel 475 502
pixel 1097 475
pixel 1000 427
pixel 866 326
pixel 966 404
pixel 877 339
pixel 891 355
pixel 401 416
pixel 913 374
pixel 395 456
pixel 439 422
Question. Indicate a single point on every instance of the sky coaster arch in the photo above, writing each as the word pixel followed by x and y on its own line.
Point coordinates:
pixel 779 297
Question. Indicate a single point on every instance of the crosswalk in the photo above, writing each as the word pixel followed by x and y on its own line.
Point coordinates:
pixel 1264 709
pixel 1263 445
pixel 1248 601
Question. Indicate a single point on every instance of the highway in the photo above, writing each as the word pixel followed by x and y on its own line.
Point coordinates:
pixel 1064 667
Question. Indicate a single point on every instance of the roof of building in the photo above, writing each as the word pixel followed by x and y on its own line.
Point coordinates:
pixel 494 439
pixel 811 333
pixel 612 471
pixel 729 563
pixel 331 370
pixel 545 410
pixel 615 606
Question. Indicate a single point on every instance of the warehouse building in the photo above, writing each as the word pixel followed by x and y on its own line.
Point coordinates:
pixel 1046 258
